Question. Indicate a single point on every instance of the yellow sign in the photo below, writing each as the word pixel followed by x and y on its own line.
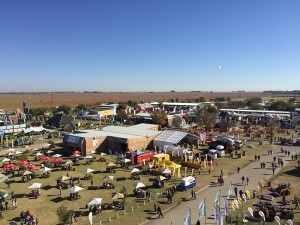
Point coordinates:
pixel 106 112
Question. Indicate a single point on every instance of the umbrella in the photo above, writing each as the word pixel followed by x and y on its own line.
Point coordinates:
pixel 69 162
pixel 88 170
pixel 45 169
pixel 75 189
pixel 31 167
pixel 56 156
pixel 38 154
pixel 95 201
pixel 18 152
pixel 10 153
pixel 88 157
pixel 111 165
pixel 76 152
pixel 11 150
pixel 45 158
pixel 27 173
pixel 23 162
pixel 125 160
pixel 103 154
pixel 139 185
pixel 47 145
pixel 35 149
pixel 9 166
pixel 63 178
pixel 167 171
pixel 49 151
pixel 118 196
pixel 108 178
pixel 35 186
pixel 57 160
pixel 161 178
pixel 135 170
pixel 6 160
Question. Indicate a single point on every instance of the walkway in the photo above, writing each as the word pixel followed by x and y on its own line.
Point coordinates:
pixel 176 215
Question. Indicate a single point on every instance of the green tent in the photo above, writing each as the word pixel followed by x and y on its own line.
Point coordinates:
pixel 4 196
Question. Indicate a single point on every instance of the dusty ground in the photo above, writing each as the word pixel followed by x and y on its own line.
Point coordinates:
pixel 35 100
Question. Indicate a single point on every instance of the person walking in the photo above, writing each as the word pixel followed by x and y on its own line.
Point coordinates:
pixel 92 182
pixel 198 222
pixel 209 171
pixel 6 205
pixel 155 206
pixel 258 157
pixel 238 169
pixel 253 194
pixel 60 188
pixel 192 193
pixel 243 179
pixel 296 204
pixel 159 212
pixel 247 180
pixel 236 191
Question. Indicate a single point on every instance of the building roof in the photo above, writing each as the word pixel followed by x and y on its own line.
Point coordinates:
pixel 171 136
pixel 144 126
pixel 137 131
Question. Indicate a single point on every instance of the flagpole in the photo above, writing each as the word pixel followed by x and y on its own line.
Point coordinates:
pixel 205 211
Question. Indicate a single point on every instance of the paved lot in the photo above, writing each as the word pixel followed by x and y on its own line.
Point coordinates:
pixel 175 216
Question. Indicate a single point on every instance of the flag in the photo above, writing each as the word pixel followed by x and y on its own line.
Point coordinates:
pixel 202 208
pixel 187 218
pixel 226 207
pixel 217 211
pixel 229 193
pixel 217 199
pixel 232 206
pixel 91 218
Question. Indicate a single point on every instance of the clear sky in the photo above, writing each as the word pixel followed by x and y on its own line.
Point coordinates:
pixel 149 45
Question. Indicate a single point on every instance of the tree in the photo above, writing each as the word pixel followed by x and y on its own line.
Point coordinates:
pixel 159 117
pixel 206 116
pixel 131 103
pixel 64 215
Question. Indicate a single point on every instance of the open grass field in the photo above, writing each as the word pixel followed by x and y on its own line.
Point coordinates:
pixel 13 101
pixel 45 206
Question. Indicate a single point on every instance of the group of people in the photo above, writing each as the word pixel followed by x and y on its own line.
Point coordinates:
pixel 28 218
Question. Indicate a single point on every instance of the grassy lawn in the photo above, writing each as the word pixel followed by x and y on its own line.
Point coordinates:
pixel 44 208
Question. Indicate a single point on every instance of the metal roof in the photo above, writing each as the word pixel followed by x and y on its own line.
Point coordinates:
pixel 171 136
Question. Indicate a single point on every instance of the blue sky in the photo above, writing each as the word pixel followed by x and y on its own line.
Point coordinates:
pixel 149 45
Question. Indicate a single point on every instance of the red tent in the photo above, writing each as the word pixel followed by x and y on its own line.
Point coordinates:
pixel 45 158
pixel 76 152
pixel 57 160
pixel 23 162
pixel 9 166
pixel 31 167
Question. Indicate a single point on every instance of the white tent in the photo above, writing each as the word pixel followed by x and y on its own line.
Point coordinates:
pixel 118 196
pixel 47 145
pixel 88 170
pixel 33 129
pixel 75 189
pixel 135 170
pixel 45 169
pixel 18 153
pixel 11 150
pixel 6 160
pixel 108 178
pixel 125 160
pixel 139 185
pixel 88 157
pixel 170 137
pixel 95 201
pixel 38 154
pixel 56 156
pixel 35 186
pixel 49 151
pixel 167 171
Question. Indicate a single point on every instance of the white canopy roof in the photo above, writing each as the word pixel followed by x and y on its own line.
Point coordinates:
pixel 35 185
pixel 170 137
pixel 75 189
pixel 95 201
pixel 139 185
pixel 33 129
pixel 88 170
pixel 45 169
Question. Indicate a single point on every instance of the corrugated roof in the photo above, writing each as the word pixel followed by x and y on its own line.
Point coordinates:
pixel 171 136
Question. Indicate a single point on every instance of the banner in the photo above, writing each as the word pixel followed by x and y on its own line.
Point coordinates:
pixel 217 199
pixel 229 193
pixel 250 211
pixel 202 208
pixel 226 207
pixel 91 218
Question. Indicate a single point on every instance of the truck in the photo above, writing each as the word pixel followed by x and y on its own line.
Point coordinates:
pixel 186 183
